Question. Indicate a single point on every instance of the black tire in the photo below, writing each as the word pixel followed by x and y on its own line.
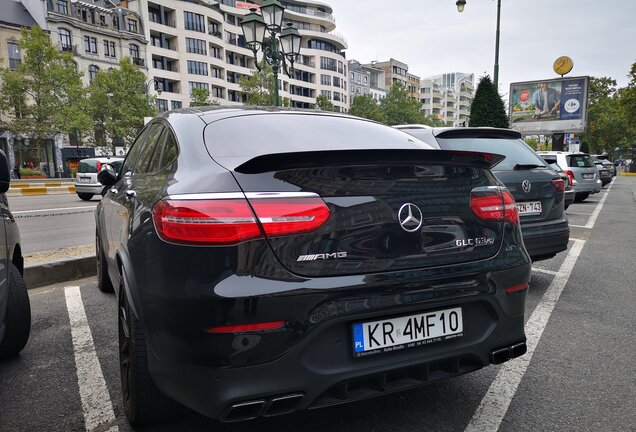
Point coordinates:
pixel 144 404
pixel 582 196
pixel 18 316
pixel 85 196
pixel 104 284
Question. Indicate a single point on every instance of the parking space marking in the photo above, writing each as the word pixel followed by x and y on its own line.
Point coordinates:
pixel 578 226
pixel 53 209
pixel 590 223
pixel 578 214
pixel 494 405
pixel 96 403
pixel 540 270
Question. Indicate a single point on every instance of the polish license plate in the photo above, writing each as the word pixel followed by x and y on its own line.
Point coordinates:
pixel 588 176
pixel 84 179
pixel 407 331
pixel 529 208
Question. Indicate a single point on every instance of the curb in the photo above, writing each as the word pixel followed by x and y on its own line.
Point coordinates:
pixel 40 190
pixel 624 174
pixel 39 275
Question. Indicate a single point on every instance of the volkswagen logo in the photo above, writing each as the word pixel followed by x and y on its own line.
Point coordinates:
pixel 410 217
pixel 526 186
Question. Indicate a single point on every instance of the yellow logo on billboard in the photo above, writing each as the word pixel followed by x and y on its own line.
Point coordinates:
pixel 563 65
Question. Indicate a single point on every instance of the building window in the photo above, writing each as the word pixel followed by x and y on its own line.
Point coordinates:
pixel 215 52
pixel 175 105
pixel 196 46
pixel 326 93
pixel 325 79
pixel 194 22
pixel 134 51
pixel 109 49
pixel 336 82
pixel 199 85
pixel 92 72
pixel 132 26
pixel 327 63
pixel 321 45
pixel 14 55
pixel 65 38
pixel 197 68
pixel 340 67
pixel 90 44
pixel 217 92
pixel 61 6
pixel 162 105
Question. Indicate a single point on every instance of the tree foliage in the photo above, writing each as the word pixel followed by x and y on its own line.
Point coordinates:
pixel 367 107
pixel 399 108
pixel 201 97
pixel 119 102
pixel 488 108
pixel 44 96
pixel 324 104
pixel 259 87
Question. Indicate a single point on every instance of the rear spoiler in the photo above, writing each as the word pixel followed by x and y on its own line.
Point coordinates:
pixel 335 158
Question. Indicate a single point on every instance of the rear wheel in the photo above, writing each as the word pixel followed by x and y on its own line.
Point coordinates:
pixel 85 196
pixel 143 402
pixel 104 284
pixel 18 317
pixel 582 196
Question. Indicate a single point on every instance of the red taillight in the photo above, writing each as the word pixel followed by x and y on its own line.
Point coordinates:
pixel 242 328
pixel 558 184
pixel 494 206
pixel 99 166
pixel 516 288
pixel 232 221
pixel 571 176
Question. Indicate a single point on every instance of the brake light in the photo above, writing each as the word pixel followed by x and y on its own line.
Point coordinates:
pixel 223 222
pixel 571 176
pixel 558 184
pixel 99 166
pixel 242 328
pixel 496 205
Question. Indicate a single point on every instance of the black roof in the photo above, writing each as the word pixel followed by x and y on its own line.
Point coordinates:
pixel 15 14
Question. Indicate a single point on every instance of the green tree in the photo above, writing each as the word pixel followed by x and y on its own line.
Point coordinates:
pixel 487 108
pixel 201 97
pixel 119 103
pixel 367 107
pixel 398 108
pixel 44 96
pixel 324 104
pixel 259 87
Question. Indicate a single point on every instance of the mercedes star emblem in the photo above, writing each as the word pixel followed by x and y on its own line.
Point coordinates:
pixel 410 217
pixel 526 186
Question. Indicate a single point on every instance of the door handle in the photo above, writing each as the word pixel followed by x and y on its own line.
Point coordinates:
pixel 131 194
pixel 113 190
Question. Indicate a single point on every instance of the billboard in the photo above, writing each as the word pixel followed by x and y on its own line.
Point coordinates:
pixel 549 106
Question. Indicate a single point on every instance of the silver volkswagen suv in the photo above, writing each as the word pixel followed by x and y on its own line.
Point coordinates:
pixel 584 176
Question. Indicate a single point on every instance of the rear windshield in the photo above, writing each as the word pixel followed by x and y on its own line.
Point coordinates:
pixel 580 161
pixel 247 137
pixel 515 150
pixel 87 166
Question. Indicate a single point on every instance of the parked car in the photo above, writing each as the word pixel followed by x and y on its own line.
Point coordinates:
pixel 86 184
pixel 269 260
pixel 538 190
pixel 580 168
pixel 569 190
pixel 604 173
pixel 609 165
pixel 15 309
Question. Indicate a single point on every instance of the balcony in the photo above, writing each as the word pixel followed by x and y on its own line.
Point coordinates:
pixel 139 61
pixel 67 48
pixel 215 33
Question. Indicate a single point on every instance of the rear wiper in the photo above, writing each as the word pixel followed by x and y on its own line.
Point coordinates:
pixel 526 166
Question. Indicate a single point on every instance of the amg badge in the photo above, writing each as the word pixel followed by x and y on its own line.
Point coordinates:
pixel 322 256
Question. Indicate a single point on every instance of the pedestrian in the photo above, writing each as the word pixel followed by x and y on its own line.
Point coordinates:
pixel 17 171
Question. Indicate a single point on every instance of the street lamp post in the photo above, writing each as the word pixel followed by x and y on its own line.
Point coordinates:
pixel 460 8
pixel 280 46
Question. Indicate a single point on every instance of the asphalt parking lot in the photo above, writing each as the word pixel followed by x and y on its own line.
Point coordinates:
pixel 578 375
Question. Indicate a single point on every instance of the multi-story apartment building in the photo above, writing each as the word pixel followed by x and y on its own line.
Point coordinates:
pixel 447 97
pixel 201 45
pixel 413 86
pixel 98 32
pixel 13 18
pixel 365 79
pixel 394 71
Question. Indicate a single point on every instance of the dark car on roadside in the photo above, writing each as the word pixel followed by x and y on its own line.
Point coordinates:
pixel 267 261
pixel 15 309
pixel 538 190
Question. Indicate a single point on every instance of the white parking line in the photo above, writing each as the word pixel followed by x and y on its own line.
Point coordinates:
pixel 578 226
pixel 53 209
pixel 590 223
pixel 540 270
pixel 494 405
pixel 96 403
pixel 578 214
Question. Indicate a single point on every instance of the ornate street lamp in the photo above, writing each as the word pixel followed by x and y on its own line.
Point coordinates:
pixel 460 8
pixel 280 47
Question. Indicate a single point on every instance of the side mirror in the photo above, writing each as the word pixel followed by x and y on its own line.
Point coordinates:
pixel 107 175
pixel 5 174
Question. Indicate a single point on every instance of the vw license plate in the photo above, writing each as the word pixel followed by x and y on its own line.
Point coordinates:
pixel 407 331
pixel 529 208
pixel 84 179
pixel 588 176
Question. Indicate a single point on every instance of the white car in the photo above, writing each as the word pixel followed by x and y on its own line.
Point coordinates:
pixel 86 184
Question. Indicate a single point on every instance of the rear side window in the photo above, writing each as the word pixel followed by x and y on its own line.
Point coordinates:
pixel 131 157
pixel 580 161
pixel 515 150
pixel 147 147
pixel 87 166
pixel 165 152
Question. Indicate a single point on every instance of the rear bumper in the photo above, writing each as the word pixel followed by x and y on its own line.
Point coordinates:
pixel 95 189
pixel 546 239
pixel 588 186
pixel 569 196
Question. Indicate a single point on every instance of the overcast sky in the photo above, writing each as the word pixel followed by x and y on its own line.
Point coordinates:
pixel 432 37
